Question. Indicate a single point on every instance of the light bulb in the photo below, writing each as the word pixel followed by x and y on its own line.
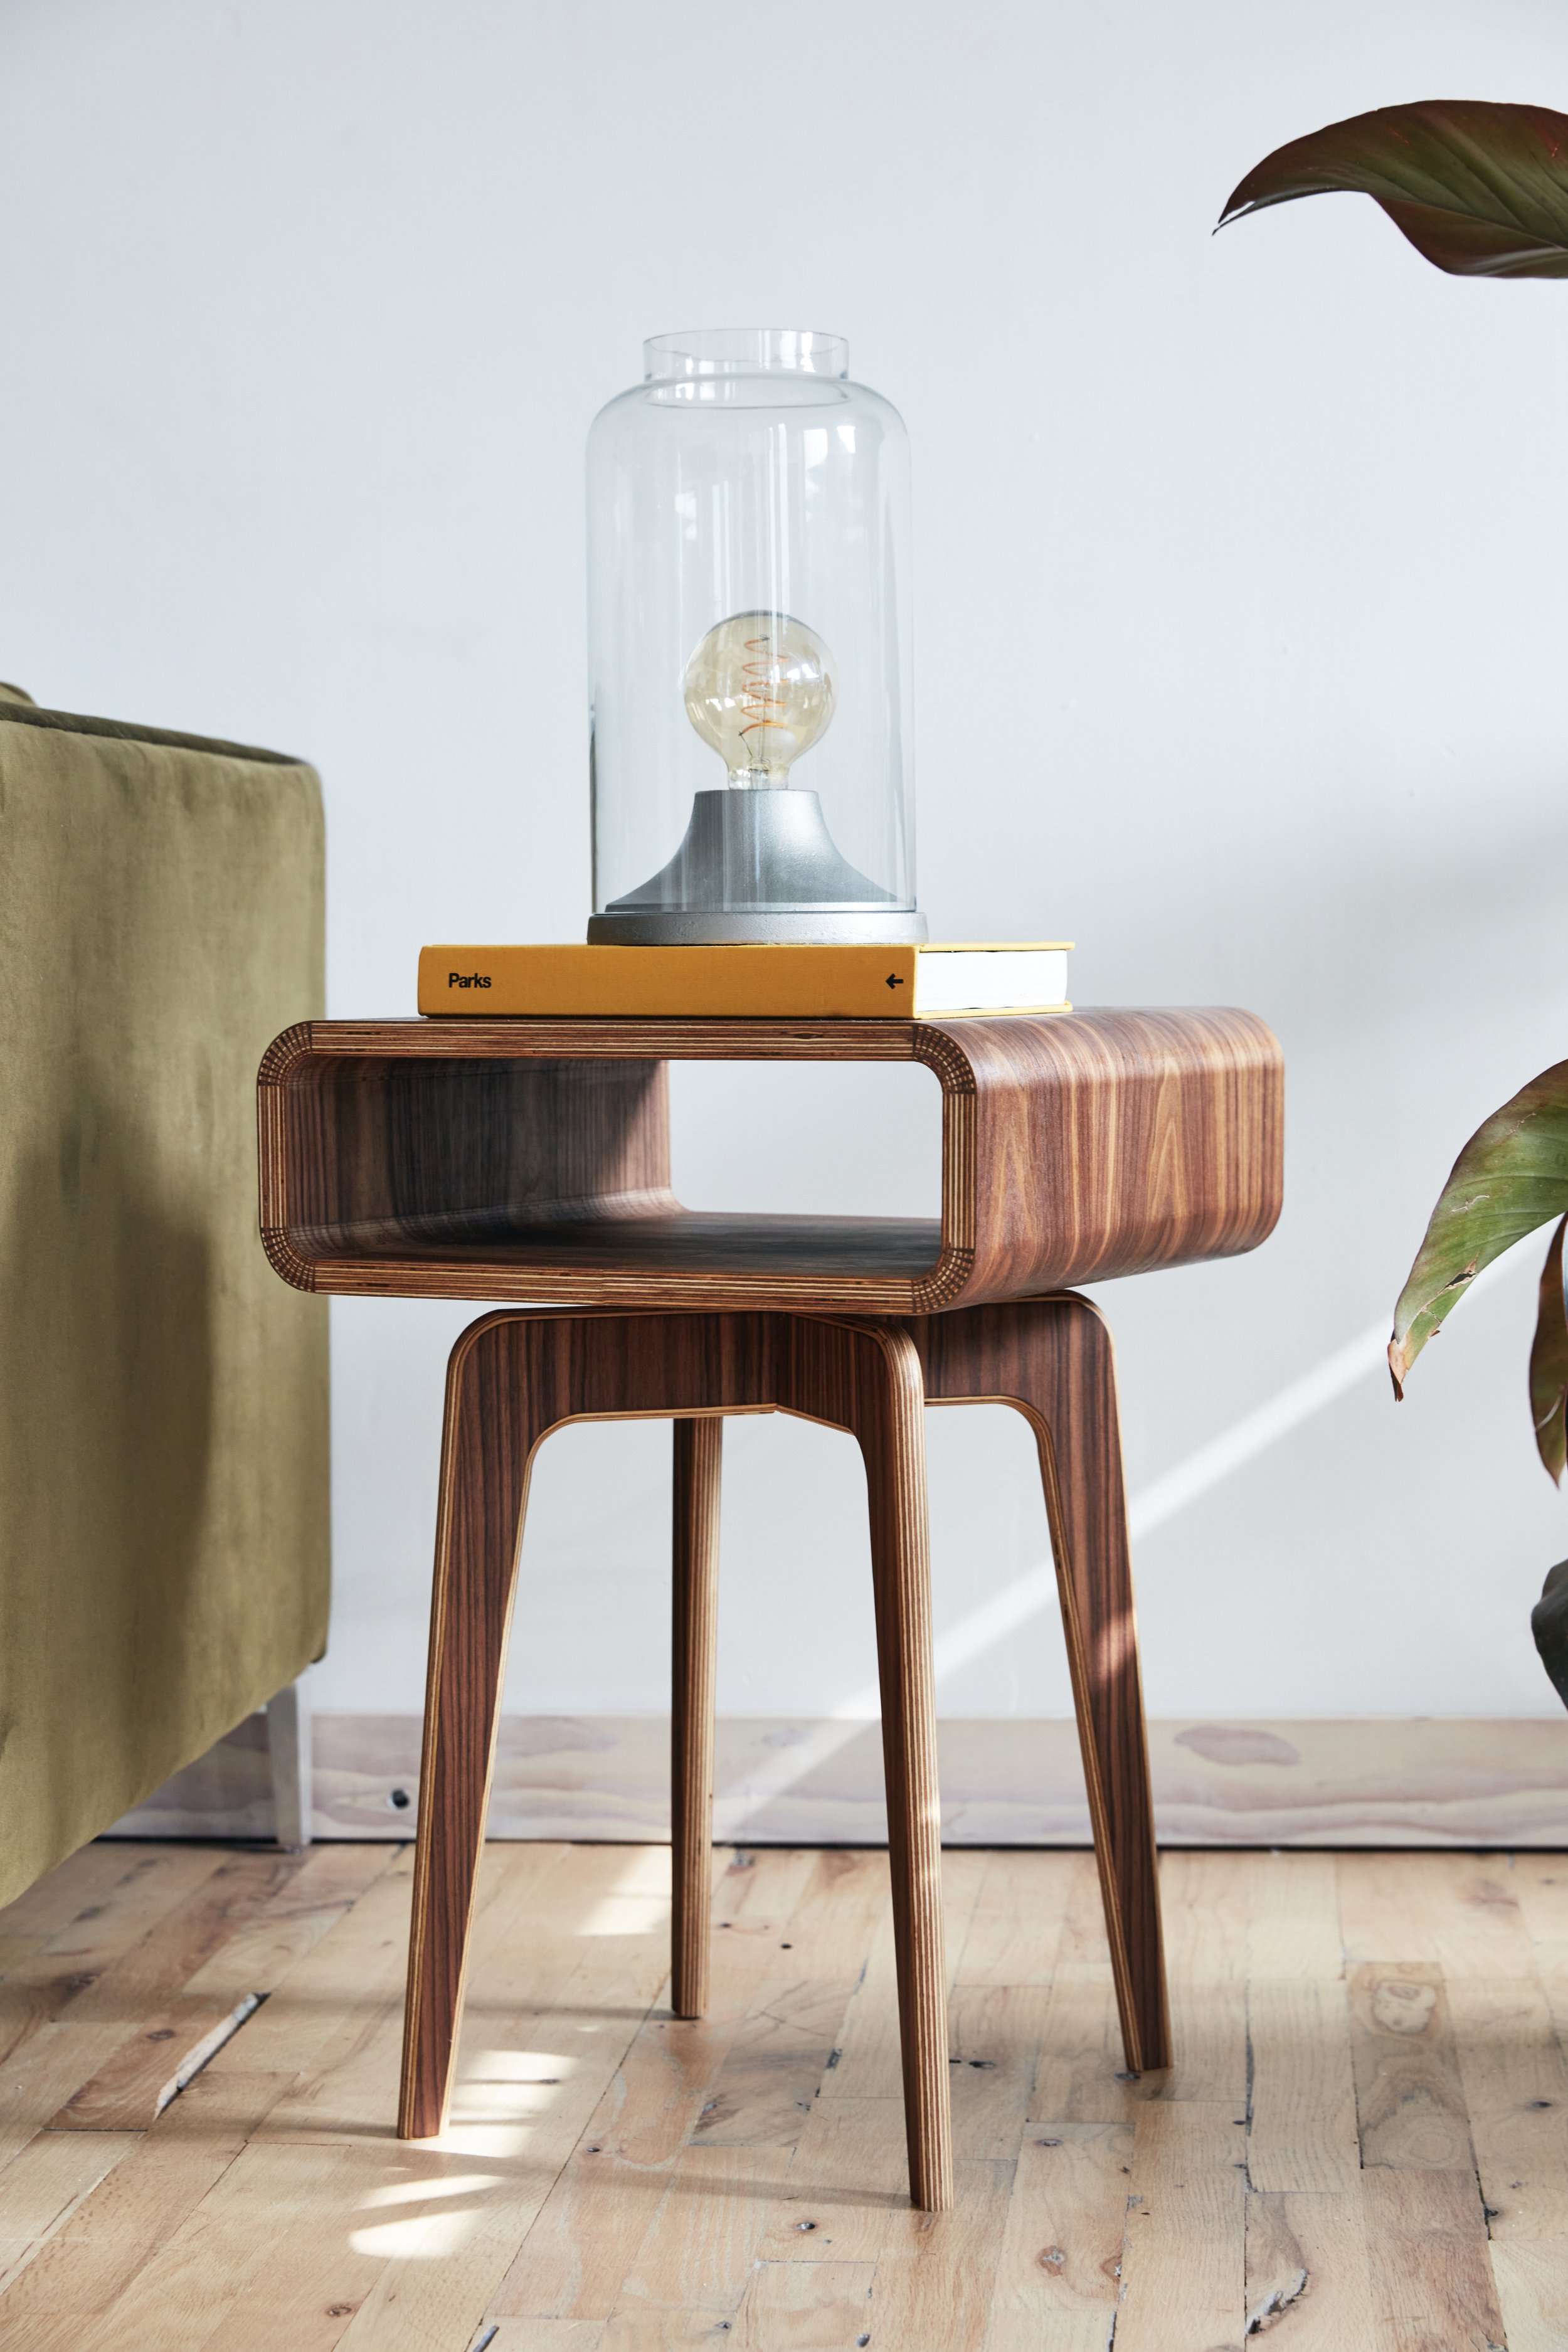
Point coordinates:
pixel 759 691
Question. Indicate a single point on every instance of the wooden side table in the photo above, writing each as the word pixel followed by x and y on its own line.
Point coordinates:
pixel 529 1159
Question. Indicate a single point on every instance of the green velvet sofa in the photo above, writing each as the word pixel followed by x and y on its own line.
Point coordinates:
pixel 164 1472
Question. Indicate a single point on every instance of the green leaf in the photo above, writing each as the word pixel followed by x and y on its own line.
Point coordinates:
pixel 1549 1624
pixel 1549 1363
pixel 1480 189
pixel 1510 1177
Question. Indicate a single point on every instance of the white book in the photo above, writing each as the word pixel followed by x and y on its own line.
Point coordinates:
pixel 991 979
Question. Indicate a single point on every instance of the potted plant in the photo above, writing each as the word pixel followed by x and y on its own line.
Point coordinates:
pixel 1482 191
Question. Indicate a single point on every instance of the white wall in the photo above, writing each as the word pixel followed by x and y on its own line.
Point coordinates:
pixel 1240 621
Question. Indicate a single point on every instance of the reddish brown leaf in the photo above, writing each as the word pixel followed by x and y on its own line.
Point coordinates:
pixel 1480 188
pixel 1510 1177
pixel 1549 1363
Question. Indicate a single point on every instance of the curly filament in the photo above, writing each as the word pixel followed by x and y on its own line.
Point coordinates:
pixel 755 700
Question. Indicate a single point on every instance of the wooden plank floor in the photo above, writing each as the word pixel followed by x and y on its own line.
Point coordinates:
pixel 1363 2145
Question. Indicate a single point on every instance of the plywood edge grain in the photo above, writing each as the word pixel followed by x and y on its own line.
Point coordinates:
pixel 695 1038
pixel 281 1057
pixel 288 1050
pixel 486 1279
pixel 300 1273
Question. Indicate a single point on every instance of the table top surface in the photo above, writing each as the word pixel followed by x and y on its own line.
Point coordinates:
pixel 1016 1047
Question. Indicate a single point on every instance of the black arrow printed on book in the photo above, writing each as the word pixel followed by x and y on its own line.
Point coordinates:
pixel 893 981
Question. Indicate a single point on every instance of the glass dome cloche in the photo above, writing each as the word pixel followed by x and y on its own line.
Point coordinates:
pixel 749 648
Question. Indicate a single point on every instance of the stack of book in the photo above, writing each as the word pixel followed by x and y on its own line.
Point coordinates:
pixel 783 982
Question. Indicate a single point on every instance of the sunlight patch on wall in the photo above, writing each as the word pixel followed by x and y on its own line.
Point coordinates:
pixel 1036 1590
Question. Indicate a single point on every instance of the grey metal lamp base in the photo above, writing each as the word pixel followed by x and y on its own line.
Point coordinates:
pixel 758 866
pixel 789 926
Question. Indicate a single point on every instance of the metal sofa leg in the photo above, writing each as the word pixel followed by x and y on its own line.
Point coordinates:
pixel 289 1746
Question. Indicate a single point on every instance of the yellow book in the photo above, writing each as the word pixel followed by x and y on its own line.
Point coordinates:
pixel 789 982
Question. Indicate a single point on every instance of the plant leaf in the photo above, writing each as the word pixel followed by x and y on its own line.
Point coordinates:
pixel 1549 1624
pixel 1480 189
pixel 1549 1363
pixel 1510 1177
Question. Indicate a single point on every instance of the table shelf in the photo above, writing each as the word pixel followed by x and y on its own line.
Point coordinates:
pixel 530 1159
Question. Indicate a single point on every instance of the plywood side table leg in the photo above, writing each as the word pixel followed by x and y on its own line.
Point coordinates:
pixel 1081 1465
pixel 512 1378
pixel 892 1438
pixel 485 1454
pixel 867 1379
pixel 694 1659
pixel 1053 1358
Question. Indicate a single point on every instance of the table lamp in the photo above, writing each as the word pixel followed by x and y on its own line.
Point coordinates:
pixel 749 649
